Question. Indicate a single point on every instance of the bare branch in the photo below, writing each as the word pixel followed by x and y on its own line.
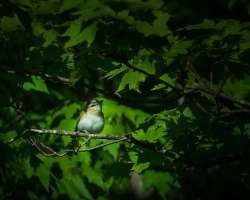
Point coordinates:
pixel 126 138
pixel 47 151
pixel 84 134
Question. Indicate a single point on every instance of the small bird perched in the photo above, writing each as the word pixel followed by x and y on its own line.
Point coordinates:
pixel 91 120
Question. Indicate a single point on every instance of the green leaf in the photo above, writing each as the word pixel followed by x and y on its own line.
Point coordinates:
pixel 239 88
pixel 133 156
pixel 93 176
pixel 38 28
pixel 74 187
pixel 111 74
pixel 69 4
pixel 68 110
pixel 74 28
pixel 87 35
pixel 206 24
pixel 66 114
pixel 187 112
pixel 245 41
pixel 124 15
pixel 167 79
pixel 160 180
pixel 9 24
pixel 144 27
pixel 179 47
pixel 49 36
pixel 67 124
pixel 140 167
pixel 113 150
pixel 43 174
pixel 29 171
pixel 158 87
pixel 142 61
pixel 154 133
pixel 159 26
pixel 81 188
pixel 70 62
pixel 8 135
pixel 37 84
pixel 140 135
pixel 132 79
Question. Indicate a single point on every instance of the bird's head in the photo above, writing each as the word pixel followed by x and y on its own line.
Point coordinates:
pixel 94 107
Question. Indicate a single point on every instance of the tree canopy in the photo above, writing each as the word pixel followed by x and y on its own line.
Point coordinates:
pixel 174 81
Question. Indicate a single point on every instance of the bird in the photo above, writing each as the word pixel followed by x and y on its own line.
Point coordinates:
pixel 92 120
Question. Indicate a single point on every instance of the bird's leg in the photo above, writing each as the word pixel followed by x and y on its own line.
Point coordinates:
pixel 78 145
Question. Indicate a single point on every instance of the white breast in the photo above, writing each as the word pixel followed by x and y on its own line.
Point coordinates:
pixel 91 123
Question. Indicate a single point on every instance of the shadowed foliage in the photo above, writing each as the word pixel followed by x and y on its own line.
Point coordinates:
pixel 174 81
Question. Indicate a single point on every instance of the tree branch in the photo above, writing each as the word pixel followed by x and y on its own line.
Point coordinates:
pixel 47 151
pixel 84 134
pixel 115 139
pixel 223 96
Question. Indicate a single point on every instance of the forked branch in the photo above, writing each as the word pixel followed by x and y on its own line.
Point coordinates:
pixel 28 133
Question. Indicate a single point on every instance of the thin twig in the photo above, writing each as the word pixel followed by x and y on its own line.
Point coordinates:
pixel 102 145
pixel 36 145
pixel 41 147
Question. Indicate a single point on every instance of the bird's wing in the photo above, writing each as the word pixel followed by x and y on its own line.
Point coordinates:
pixel 80 116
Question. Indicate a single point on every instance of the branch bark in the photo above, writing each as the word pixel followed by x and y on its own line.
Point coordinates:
pixel 85 134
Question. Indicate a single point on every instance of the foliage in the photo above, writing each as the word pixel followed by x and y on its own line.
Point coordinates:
pixel 174 75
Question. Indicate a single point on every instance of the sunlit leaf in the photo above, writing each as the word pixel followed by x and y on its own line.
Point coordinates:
pixel 37 84
pixel 129 79
pixel 87 35
pixel 166 78
pixel 111 74
pixel 140 167
pixel 158 86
